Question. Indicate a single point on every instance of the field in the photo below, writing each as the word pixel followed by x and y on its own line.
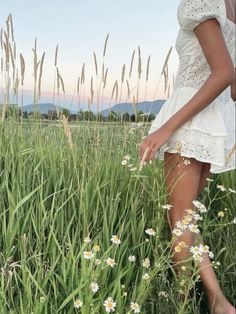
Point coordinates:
pixel 65 193
pixel 83 226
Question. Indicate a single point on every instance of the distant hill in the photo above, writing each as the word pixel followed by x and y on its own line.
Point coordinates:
pixel 146 106
pixel 43 107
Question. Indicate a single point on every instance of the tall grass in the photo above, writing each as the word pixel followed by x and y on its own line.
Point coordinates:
pixel 53 197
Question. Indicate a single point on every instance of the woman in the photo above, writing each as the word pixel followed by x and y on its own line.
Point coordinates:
pixel 198 121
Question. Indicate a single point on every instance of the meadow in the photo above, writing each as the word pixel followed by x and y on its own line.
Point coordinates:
pixel 83 226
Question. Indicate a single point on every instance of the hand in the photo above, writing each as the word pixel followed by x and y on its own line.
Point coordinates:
pixel 152 143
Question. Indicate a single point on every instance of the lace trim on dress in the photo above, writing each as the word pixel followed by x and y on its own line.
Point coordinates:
pixel 205 148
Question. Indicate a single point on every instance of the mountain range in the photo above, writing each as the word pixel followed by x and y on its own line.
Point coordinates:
pixel 145 106
pixel 42 107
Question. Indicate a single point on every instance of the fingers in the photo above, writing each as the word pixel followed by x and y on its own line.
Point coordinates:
pixel 144 147
pixel 147 152
pixel 151 153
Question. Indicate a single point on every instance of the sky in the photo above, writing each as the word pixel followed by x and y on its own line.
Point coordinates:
pixel 79 28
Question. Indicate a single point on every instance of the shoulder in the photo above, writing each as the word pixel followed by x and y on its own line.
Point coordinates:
pixel 190 13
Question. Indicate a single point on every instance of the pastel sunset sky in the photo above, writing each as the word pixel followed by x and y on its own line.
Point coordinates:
pixel 80 27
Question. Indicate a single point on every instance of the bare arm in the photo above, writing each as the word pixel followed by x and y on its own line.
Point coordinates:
pixel 213 44
pixel 222 73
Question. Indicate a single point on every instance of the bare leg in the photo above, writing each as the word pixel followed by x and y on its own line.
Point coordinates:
pixel 217 302
pixel 184 183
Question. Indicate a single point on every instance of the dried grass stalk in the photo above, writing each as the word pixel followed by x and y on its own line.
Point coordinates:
pixel 78 86
pixel 60 82
pixel 168 91
pixel 56 56
pixel 91 90
pixel 22 68
pixel 6 50
pixel 16 83
pixel 35 58
pixel 67 131
pixel 1 38
pixel 128 88
pixel 139 63
pixel 105 45
pixel 10 29
pixel 131 64
pixel 105 78
pixel 115 90
pixel 12 57
pixel 40 75
pixel 95 63
pixel 134 102
pixel 148 66
pixel 123 73
pixel 83 74
pixel 166 60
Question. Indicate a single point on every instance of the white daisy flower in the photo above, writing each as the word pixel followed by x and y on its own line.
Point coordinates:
pixel 87 239
pixel 42 300
pixel 97 261
pixel 150 231
pixel 135 307
pixel 193 228
pixel 231 190
pixel 197 216
pixel 208 179
pixel 88 254
pixel 127 157
pixel 195 250
pixel 201 207
pixel 109 305
pixel 167 206
pixel 181 225
pixel 221 187
pixel 205 249
pixel 146 276
pixel 124 162
pixel 189 211
pixel 132 258
pixel 110 262
pixel 211 255
pixel 94 287
pixel 221 214
pixel 177 232
pixel 187 162
pixel 78 304
pixel 163 294
pixel 146 262
pixel 115 239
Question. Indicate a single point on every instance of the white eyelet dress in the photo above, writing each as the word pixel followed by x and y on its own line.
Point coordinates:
pixel 210 135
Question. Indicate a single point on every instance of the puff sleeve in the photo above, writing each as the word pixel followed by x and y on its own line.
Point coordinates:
pixel 193 12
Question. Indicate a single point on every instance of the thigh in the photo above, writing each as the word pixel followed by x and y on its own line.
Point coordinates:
pixel 205 173
pixel 182 177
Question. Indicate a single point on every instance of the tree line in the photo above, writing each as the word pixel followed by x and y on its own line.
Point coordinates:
pixel 86 115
